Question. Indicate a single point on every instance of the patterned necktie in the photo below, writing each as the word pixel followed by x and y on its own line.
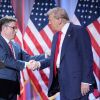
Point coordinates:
pixel 56 52
pixel 11 48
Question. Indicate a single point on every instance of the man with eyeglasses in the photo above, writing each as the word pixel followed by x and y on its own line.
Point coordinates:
pixel 13 58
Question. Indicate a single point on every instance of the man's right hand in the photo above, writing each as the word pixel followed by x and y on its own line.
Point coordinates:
pixel 33 65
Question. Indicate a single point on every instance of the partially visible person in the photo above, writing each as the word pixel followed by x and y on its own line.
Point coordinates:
pixel 71 62
pixel 13 58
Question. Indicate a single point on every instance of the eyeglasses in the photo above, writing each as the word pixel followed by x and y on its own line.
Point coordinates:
pixel 14 27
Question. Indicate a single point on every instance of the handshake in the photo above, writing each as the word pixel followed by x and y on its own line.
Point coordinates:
pixel 33 65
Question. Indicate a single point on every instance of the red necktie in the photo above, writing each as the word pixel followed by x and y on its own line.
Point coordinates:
pixel 11 48
pixel 56 52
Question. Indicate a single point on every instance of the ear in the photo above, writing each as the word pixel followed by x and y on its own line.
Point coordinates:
pixel 4 29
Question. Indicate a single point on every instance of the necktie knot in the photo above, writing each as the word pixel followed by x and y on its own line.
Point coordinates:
pixel 60 32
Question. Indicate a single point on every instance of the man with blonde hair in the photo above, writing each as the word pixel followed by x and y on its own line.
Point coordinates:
pixel 71 60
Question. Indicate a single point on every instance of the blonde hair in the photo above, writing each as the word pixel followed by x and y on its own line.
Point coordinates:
pixel 58 13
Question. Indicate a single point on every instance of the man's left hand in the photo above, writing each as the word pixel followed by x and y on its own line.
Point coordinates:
pixel 85 88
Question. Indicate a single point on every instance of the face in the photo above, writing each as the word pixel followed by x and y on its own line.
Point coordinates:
pixel 54 22
pixel 10 30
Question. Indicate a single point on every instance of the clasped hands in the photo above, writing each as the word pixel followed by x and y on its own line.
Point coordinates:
pixel 33 65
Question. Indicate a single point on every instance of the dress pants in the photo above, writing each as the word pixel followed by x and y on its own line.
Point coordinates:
pixel 10 97
pixel 9 89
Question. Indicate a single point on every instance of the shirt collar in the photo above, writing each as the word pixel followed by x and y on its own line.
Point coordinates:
pixel 6 39
pixel 65 28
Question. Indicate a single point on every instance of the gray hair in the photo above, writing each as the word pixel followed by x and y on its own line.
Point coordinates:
pixel 58 13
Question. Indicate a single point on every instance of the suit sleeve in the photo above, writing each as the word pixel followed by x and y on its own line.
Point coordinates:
pixel 45 63
pixel 26 57
pixel 85 50
pixel 9 61
pixel 18 63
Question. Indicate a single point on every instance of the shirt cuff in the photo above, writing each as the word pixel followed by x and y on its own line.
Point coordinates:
pixel 26 64
pixel 86 83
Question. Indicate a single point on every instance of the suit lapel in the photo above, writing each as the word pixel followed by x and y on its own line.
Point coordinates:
pixel 5 45
pixel 66 42
pixel 54 45
pixel 52 56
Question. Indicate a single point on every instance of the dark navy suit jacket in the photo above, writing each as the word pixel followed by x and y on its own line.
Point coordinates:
pixel 76 63
pixel 12 66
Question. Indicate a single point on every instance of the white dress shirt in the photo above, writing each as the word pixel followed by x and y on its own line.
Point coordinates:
pixel 64 31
